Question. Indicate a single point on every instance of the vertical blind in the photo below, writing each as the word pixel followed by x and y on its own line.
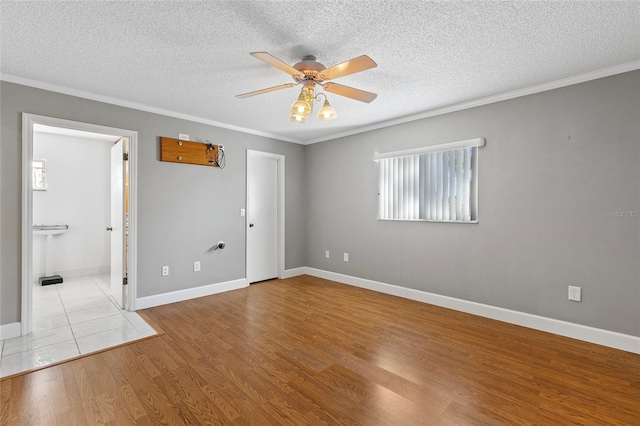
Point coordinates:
pixel 431 186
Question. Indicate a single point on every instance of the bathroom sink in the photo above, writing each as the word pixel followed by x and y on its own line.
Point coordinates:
pixel 49 231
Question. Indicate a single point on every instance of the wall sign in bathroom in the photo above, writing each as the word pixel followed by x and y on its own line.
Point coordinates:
pixel 39 174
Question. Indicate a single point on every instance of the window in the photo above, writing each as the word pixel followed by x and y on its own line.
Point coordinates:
pixel 437 183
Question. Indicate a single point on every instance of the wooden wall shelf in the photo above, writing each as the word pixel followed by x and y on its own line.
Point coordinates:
pixel 178 151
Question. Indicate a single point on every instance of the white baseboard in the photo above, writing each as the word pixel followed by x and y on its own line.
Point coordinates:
pixel 74 273
pixel 598 336
pixel 289 273
pixel 9 331
pixel 190 293
pixel 391 289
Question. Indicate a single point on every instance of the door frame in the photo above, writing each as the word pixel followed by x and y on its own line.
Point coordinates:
pixel 280 190
pixel 28 122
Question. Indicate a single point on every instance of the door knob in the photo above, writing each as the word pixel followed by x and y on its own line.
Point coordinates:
pixel 251 225
pixel 110 228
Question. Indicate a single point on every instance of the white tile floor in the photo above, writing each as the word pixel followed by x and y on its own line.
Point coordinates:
pixel 70 319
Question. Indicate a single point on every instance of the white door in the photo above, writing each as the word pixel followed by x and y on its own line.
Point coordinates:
pixel 117 221
pixel 262 218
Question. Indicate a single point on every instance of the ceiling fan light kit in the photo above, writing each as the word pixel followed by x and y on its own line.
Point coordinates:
pixel 303 107
pixel 310 73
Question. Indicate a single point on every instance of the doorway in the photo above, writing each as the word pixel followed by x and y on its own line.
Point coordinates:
pixel 265 235
pixel 127 186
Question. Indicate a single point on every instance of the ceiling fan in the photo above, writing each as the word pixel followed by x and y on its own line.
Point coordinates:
pixel 309 72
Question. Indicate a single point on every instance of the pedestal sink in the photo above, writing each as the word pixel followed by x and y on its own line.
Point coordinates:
pixel 49 231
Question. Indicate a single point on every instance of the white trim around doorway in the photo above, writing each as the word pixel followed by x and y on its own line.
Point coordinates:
pixel 28 122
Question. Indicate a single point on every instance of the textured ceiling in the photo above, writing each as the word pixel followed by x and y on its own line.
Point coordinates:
pixel 193 57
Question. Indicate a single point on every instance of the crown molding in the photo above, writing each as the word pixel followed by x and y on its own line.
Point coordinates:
pixel 556 84
pixel 134 105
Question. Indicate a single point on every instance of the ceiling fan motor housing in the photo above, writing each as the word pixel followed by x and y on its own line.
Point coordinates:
pixel 309 66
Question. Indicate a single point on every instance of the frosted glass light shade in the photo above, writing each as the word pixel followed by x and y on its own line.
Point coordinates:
pixel 298 118
pixel 301 106
pixel 327 112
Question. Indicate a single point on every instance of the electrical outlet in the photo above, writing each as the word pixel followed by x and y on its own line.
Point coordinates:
pixel 242 212
pixel 326 254
pixel 346 257
pixel 183 136
pixel 196 266
pixel 575 293
pixel 165 271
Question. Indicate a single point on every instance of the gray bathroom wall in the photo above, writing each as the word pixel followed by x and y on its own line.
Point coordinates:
pixel 559 196
pixel 183 210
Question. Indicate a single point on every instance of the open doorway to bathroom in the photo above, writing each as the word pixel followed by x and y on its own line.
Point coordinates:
pixel 77 197
pixel 72 199
pixel 82 314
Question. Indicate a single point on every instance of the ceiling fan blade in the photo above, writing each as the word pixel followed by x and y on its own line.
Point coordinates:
pixel 277 63
pixel 361 63
pixel 350 92
pixel 270 89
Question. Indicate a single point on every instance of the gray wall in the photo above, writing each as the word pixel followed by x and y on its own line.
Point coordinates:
pixel 557 169
pixel 183 210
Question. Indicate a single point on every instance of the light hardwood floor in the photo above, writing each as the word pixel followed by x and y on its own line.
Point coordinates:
pixel 306 351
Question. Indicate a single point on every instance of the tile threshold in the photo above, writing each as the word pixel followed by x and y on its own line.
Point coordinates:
pixel 88 328
pixel 64 361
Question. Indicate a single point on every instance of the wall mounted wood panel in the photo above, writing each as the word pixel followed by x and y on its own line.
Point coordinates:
pixel 178 151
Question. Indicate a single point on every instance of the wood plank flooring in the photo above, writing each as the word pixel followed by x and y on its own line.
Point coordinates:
pixel 307 351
